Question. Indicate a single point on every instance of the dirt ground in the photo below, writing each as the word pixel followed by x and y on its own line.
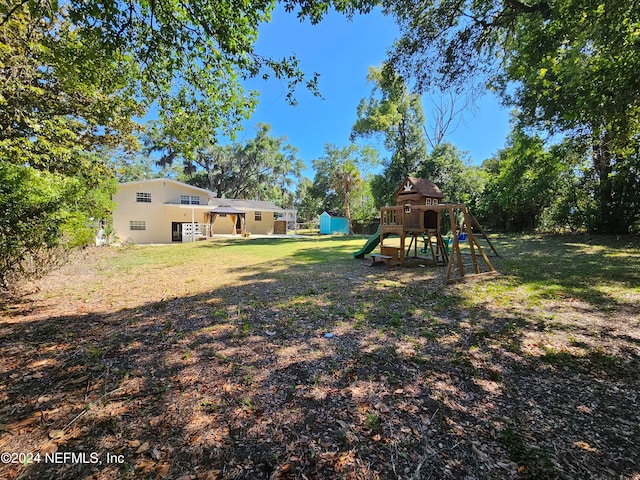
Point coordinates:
pixel 301 367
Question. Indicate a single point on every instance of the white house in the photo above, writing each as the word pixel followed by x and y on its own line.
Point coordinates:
pixel 161 210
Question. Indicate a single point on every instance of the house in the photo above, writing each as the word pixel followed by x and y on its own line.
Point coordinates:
pixel 333 224
pixel 161 210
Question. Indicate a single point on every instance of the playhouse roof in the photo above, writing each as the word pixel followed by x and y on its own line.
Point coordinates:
pixel 423 186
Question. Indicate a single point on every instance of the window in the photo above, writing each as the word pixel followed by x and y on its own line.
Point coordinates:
pixel 137 225
pixel 143 197
pixel 189 200
pixel 258 216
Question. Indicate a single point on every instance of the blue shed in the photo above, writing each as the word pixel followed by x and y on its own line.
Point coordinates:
pixel 330 224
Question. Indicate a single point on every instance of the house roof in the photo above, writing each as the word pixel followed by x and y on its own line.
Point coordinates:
pixel 168 180
pixel 423 186
pixel 244 205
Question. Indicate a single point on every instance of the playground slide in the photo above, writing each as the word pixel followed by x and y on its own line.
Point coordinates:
pixel 371 244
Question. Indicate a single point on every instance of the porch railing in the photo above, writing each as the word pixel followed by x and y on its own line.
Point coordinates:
pixel 194 231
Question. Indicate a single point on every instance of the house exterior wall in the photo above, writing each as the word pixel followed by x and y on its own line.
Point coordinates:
pixel 156 215
pixel 263 226
pixel 164 208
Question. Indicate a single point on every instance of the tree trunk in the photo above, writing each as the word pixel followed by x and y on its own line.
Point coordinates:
pixel 347 209
pixel 605 223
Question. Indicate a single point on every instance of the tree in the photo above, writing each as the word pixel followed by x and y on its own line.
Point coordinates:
pixel 76 75
pixel 309 205
pixel 263 168
pixel 450 169
pixel 59 95
pixel 525 179
pixel 41 210
pixel 447 109
pixel 338 178
pixel 570 66
pixel 394 113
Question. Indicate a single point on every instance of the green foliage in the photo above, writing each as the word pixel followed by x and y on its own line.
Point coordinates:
pixel 338 181
pixel 570 66
pixel 59 95
pixel 309 206
pixel 77 74
pixel 525 179
pixel 450 169
pixel 189 59
pixel 396 115
pixel 40 210
pixel 262 168
pixel 363 208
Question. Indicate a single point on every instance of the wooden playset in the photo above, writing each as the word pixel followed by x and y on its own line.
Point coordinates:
pixel 417 217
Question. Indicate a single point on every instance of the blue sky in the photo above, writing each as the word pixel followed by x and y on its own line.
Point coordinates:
pixel 342 51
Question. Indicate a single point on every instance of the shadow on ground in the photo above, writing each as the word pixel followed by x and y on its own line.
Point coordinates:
pixel 310 369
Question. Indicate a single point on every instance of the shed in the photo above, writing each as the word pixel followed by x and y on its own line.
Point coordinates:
pixel 333 224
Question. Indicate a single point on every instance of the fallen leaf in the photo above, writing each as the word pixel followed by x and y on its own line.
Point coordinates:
pixel 155 421
pixel 145 465
pixel 56 433
pixel 585 446
pixel 133 443
pixel 480 454
pixel 49 448
pixel 143 448
pixel 79 380
pixel 162 470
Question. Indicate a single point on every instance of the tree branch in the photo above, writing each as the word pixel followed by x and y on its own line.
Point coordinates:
pixel 542 7
pixel 12 11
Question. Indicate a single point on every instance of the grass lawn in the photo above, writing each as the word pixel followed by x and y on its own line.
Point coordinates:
pixel 287 358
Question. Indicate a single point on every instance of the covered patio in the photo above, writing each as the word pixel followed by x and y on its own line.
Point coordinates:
pixel 236 216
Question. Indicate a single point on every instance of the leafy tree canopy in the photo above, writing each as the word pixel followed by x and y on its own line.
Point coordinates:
pixel 525 179
pixel 395 114
pixel 450 169
pixel 338 182
pixel 570 66
pixel 77 75
pixel 264 167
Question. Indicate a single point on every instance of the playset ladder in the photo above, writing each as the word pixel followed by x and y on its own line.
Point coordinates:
pixel 456 263
pixel 436 247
